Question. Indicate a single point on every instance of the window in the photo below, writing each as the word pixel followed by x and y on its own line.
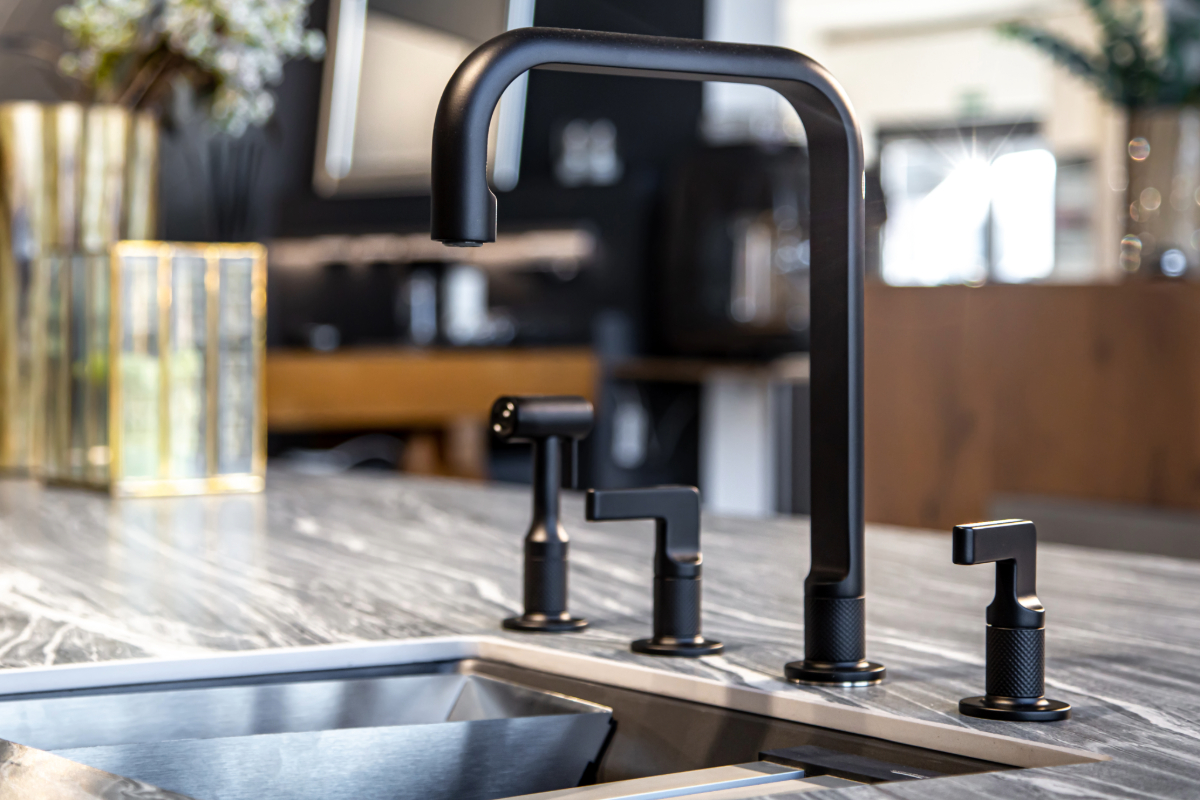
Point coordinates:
pixel 967 206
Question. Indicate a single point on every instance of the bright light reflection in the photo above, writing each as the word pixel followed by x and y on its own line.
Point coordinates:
pixel 940 210
pixel 1023 215
pixel 939 238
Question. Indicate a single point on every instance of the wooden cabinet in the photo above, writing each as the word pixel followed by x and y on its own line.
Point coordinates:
pixel 444 395
pixel 1090 392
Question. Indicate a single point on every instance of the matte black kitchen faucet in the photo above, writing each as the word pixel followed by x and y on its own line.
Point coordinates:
pixel 464 215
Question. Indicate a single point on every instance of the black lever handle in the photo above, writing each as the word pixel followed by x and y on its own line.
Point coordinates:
pixel 677 558
pixel 1016 623
pixel 546 421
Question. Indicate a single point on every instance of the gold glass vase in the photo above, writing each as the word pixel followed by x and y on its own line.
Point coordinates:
pixel 74 180
pixel 154 369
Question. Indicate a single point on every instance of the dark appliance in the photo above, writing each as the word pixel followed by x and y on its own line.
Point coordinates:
pixel 735 256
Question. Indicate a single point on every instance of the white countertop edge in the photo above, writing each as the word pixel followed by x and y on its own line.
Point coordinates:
pixel 794 703
pixel 236 664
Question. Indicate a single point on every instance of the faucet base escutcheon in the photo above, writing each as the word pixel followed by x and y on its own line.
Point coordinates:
pixel 844 674
pixel 1011 709
pixel 670 646
pixel 545 623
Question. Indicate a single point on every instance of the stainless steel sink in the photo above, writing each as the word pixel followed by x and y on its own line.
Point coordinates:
pixel 656 736
pixel 461 719
pixel 448 736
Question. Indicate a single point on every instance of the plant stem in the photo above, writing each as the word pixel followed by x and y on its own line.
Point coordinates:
pixel 145 78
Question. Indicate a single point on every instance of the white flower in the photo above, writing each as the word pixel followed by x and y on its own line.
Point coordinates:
pixel 241 45
pixel 314 44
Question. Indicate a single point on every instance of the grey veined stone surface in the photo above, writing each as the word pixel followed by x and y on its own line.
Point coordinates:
pixel 374 557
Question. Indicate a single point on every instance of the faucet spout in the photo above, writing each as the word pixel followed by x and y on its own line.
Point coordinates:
pixel 464 214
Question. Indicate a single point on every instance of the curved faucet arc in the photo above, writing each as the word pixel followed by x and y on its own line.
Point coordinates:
pixel 464 214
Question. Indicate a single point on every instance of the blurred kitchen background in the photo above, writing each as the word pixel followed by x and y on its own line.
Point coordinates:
pixel 1031 344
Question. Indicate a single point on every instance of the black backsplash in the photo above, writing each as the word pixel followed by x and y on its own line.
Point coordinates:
pixel 656 121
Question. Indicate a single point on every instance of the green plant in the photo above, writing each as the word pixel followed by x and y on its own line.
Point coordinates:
pixel 1130 67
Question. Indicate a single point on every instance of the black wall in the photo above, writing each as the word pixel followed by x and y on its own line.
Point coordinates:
pixel 656 120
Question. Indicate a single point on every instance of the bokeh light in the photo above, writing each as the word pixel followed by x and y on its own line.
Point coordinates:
pixel 1173 263
pixel 1131 253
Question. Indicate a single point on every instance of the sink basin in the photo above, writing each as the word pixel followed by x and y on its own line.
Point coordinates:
pixel 467 718
pixel 655 736
pixel 411 736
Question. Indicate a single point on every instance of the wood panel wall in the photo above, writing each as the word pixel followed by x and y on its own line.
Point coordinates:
pixel 412 388
pixel 1089 392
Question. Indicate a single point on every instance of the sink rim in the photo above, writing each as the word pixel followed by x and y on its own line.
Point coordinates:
pixel 154 713
pixel 784 701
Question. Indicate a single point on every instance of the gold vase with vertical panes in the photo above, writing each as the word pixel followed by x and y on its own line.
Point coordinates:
pixel 74 180
pixel 163 394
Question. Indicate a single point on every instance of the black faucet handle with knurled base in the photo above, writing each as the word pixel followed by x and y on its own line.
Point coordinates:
pixel 1016 623
pixel 676 512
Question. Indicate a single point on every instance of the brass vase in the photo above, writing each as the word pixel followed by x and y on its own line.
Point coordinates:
pixel 186 352
pixel 1162 218
pixel 74 180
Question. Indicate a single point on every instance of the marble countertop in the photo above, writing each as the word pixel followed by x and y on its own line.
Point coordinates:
pixel 375 557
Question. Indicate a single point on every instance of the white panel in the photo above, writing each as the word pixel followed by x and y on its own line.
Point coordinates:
pixel 736 451
pixel 738 112
pixel 343 102
pixel 511 124
pixel 405 68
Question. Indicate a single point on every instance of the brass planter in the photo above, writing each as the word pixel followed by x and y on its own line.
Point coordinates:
pixel 74 179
